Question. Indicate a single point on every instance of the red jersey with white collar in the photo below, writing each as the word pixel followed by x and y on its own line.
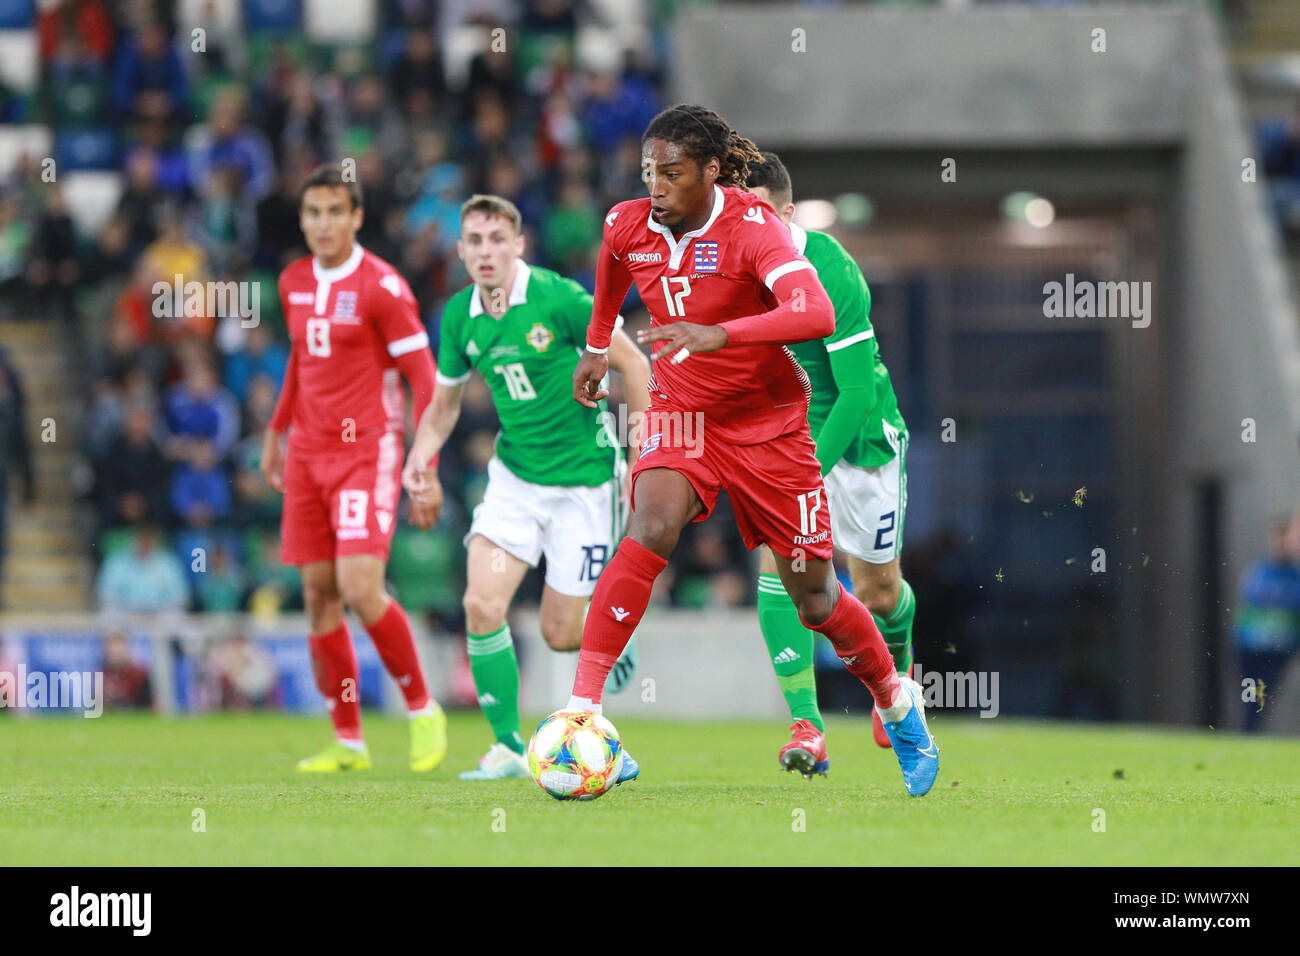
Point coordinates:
pixel 739 267
pixel 352 328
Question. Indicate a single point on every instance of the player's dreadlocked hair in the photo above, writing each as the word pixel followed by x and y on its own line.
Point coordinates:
pixel 703 134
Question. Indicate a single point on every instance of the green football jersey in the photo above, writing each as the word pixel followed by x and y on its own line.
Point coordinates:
pixel 527 358
pixel 878 441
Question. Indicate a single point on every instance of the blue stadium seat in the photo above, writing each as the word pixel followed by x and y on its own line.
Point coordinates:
pixel 389 50
pixel 276 16
pixel 17 14
pixel 85 148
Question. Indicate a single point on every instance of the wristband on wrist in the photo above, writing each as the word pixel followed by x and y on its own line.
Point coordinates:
pixel 596 351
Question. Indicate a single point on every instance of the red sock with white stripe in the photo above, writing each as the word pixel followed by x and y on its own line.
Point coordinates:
pixel 393 640
pixel 621 596
pixel 860 647
pixel 334 662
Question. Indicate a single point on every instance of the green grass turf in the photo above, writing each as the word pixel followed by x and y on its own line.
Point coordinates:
pixel 122 790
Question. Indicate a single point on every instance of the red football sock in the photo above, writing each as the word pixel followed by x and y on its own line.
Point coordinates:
pixel 393 640
pixel 622 593
pixel 860 647
pixel 335 664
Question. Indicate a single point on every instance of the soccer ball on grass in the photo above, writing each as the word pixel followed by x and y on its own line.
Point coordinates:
pixel 575 755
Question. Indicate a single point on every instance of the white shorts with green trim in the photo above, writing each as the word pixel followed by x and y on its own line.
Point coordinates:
pixel 867 507
pixel 576 528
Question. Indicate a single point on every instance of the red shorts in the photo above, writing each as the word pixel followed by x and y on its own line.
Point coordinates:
pixel 775 486
pixel 336 504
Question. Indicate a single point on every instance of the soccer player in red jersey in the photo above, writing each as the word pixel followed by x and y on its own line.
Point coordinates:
pixel 726 289
pixel 354 327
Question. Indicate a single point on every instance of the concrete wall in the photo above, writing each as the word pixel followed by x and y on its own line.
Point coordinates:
pixel 1234 353
pixel 998 76
pixel 1020 99
pixel 705 664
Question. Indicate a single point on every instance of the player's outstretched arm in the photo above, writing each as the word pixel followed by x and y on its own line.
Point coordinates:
pixel 272 463
pixel 591 371
pixel 630 362
pixel 852 354
pixel 612 282
pixel 684 339
pixel 804 312
pixel 420 475
pixel 856 398
pixel 418 369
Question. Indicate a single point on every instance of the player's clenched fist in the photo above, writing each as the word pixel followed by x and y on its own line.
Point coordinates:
pixel 425 511
pixel 684 339
pixel 273 459
pixel 422 484
pixel 418 478
pixel 587 377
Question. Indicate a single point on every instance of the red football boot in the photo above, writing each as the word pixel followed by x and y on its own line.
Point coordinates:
pixel 878 728
pixel 806 751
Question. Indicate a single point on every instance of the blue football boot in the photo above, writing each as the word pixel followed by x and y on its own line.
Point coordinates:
pixel 918 754
pixel 631 769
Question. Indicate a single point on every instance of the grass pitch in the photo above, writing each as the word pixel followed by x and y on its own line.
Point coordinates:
pixel 124 790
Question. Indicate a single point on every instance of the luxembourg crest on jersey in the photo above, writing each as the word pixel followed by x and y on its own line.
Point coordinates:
pixel 706 256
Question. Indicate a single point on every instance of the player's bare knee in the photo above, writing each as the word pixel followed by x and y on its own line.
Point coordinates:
pixel 483 614
pixel 815 606
pixel 323 615
pixel 560 636
pixel 320 598
pixel 880 598
pixel 654 532
pixel 359 591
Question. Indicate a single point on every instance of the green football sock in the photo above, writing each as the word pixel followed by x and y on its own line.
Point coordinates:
pixel 897 628
pixel 496 678
pixel 790 646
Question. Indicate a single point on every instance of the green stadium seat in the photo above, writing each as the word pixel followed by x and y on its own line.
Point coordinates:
pixel 426 569
pixel 268 301
pixel 534 50
pixel 250 549
pixel 80 101
pixel 206 89
pixel 694 591
pixel 260 46
pixel 113 540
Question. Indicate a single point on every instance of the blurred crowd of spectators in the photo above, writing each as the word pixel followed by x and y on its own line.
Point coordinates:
pixel 229 671
pixel 211 147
